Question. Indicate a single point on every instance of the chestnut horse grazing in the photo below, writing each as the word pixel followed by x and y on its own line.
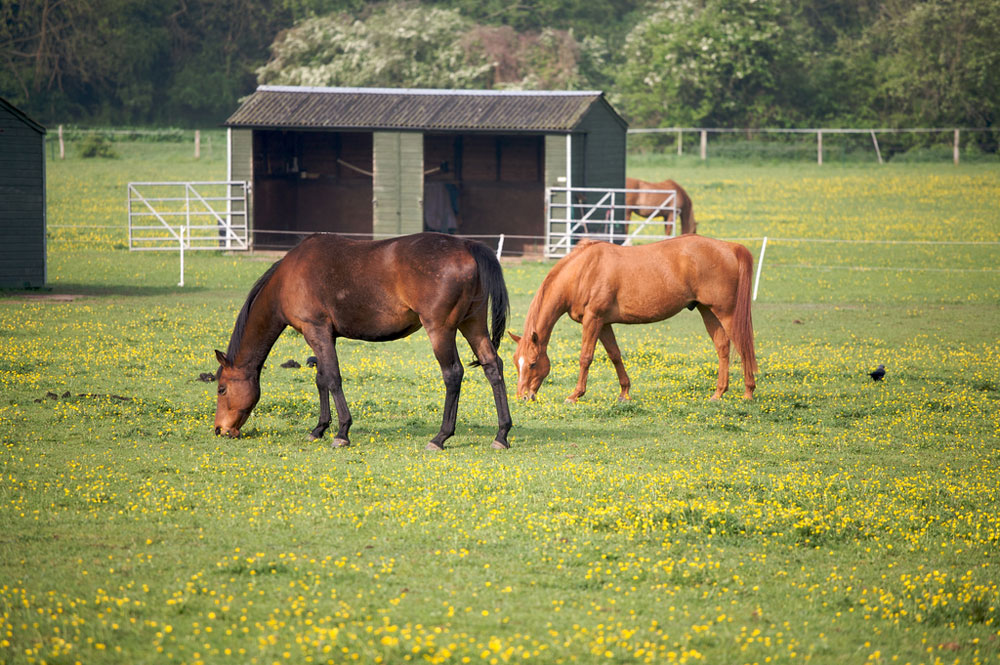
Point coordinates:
pixel 645 204
pixel 599 284
pixel 330 286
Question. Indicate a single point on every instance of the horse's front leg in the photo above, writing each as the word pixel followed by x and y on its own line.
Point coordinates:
pixel 607 338
pixel 443 344
pixel 591 330
pixel 329 380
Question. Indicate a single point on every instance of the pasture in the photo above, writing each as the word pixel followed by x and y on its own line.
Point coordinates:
pixel 829 520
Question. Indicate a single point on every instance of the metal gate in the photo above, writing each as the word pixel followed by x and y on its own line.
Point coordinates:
pixel 168 216
pixel 572 214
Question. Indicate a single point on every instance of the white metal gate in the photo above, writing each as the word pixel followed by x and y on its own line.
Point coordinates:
pixel 168 216
pixel 572 214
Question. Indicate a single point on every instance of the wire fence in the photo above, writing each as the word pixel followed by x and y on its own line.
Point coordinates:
pixel 534 245
pixel 821 144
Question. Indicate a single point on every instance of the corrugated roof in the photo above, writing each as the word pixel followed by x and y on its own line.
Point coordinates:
pixel 293 107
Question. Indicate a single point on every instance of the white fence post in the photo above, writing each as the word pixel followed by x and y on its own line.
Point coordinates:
pixel 500 247
pixel 955 149
pixel 181 242
pixel 819 147
pixel 760 265
pixel 877 151
pixel 704 144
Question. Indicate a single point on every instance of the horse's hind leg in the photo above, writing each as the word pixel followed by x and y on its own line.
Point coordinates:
pixel 493 368
pixel 443 344
pixel 607 338
pixel 721 341
pixel 328 380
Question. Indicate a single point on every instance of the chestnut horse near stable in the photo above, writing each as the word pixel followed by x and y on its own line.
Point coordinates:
pixel 331 286
pixel 599 284
pixel 645 203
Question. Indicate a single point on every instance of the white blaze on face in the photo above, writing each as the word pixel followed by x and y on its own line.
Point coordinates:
pixel 520 365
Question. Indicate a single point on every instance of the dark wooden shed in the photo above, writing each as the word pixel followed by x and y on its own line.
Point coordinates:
pixel 22 200
pixel 380 162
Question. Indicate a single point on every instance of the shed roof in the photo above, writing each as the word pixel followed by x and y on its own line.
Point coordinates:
pixel 292 107
pixel 18 113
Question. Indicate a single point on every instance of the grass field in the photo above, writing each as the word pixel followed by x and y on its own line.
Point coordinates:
pixel 829 520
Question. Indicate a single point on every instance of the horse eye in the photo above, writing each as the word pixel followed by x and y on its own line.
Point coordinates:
pixel 531 365
pixel 222 390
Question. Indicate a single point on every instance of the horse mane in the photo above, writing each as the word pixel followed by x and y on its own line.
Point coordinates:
pixel 550 279
pixel 241 320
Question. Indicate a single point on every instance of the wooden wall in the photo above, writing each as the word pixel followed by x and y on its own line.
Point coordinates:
pixel 22 202
pixel 305 182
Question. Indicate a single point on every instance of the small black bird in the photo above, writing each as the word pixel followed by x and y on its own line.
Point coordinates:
pixel 290 364
pixel 878 374
pixel 311 361
pixel 206 377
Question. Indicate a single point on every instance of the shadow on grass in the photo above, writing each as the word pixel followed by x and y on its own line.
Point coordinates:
pixel 70 292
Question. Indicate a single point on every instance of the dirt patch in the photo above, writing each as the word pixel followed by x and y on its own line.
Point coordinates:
pixel 48 297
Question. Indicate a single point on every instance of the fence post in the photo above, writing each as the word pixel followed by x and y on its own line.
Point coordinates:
pixel 877 151
pixel 197 144
pixel 500 247
pixel 62 146
pixel 704 144
pixel 955 149
pixel 819 147
pixel 180 230
pixel 760 265
pixel 680 142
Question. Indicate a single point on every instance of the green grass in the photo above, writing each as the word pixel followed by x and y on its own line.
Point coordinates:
pixel 831 519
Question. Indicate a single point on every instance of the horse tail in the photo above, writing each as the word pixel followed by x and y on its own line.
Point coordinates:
pixel 742 319
pixel 688 224
pixel 494 287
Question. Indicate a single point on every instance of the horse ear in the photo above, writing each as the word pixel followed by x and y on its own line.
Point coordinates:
pixel 534 337
pixel 516 338
pixel 222 358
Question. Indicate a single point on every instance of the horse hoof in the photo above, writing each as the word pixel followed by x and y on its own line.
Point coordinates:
pixel 570 400
pixel 433 446
pixel 340 443
pixel 499 445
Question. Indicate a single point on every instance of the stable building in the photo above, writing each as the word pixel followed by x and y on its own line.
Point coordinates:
pixel 381 162
pixel 22 200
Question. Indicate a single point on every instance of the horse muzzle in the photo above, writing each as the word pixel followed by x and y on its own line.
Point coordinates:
pixel 232 433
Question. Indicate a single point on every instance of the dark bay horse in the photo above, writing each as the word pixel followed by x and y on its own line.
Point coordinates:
pixel 599 284
pixel 645 203
pixel 331 286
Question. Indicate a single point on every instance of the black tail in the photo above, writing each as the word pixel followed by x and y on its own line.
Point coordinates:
pixel 495 288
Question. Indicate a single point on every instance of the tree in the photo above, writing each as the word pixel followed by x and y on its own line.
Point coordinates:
pixel 395 46
pixel 941 64
pixel 411 45
pixel 722 63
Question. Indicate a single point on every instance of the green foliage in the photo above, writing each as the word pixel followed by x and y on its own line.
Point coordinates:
pixel 942 64
pixel 428 47
pixel 395 46
pixel 722 63
pixel 97 145
pixel 727 63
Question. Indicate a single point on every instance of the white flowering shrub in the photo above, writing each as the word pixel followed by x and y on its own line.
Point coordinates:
pixel 399 45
